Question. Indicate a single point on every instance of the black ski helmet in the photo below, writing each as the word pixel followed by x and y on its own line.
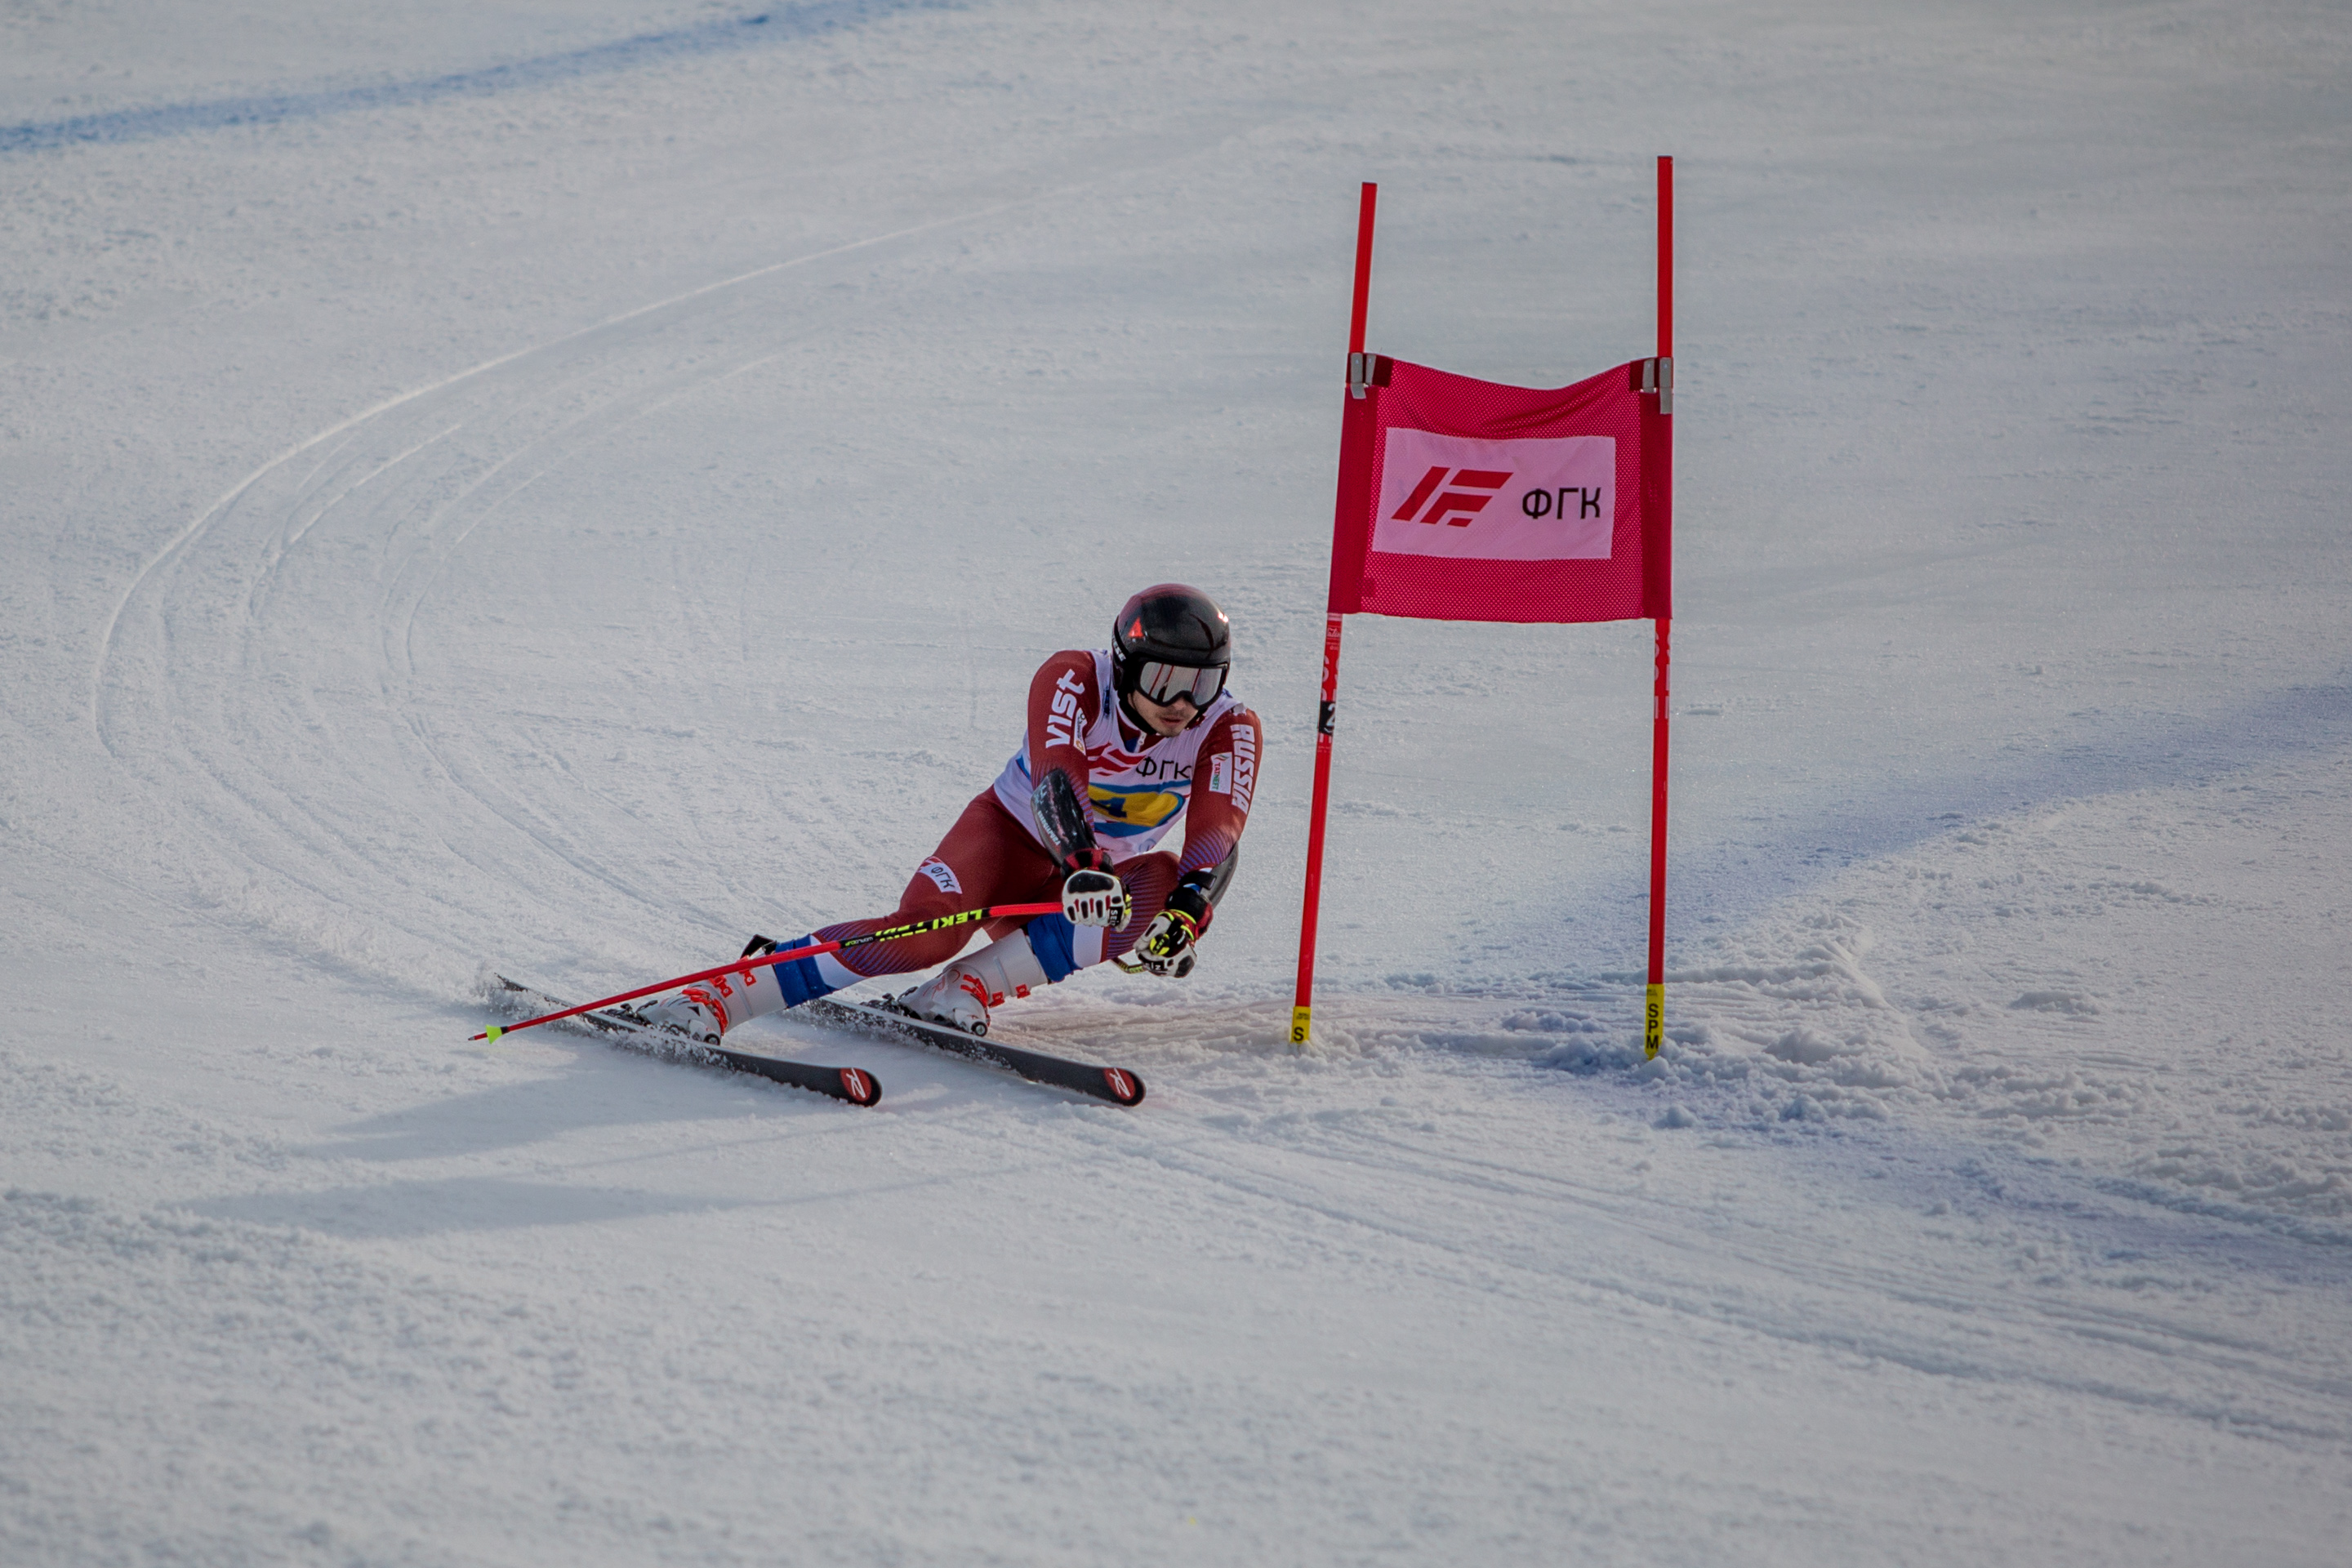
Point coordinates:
pixel 1168 623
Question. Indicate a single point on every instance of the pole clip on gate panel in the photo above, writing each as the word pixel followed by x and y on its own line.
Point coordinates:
pixel 1658 376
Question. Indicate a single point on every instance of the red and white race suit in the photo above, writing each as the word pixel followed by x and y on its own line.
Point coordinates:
pixel 1139 788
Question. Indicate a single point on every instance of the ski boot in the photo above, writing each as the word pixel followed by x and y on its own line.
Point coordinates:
pixel 693 1013
pixel 961 994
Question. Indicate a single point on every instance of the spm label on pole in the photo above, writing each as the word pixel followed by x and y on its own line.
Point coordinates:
pixel 1469 500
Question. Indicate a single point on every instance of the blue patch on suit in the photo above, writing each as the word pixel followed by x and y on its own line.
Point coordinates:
pixel 799 980
pixel 1050 937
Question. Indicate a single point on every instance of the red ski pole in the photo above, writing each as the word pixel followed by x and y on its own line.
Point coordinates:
pixel 786 955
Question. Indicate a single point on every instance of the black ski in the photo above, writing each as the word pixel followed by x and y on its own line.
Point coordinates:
pixel 1116 1085
pixel 855 1085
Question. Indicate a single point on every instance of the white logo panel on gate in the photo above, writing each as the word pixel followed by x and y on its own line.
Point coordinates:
pixel 1543 498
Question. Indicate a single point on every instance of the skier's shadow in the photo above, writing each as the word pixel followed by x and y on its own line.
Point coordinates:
pixel 600 1089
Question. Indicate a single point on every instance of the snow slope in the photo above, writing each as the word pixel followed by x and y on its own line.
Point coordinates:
pixel 560 488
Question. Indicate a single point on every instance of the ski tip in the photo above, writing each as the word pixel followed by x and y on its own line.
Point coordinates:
pixel 1124 1086
pixel 860 1087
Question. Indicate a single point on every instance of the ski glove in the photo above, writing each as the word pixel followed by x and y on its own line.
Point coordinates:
pixel 1169 948
pixel 1092 898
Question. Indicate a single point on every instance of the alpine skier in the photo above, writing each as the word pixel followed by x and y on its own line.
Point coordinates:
pixel 1124 746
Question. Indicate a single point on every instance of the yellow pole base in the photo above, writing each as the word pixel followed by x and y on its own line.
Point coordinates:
pixel 1299 1022
pixel 1654 1022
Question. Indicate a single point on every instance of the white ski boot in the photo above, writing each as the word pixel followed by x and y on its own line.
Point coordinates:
pixel 962 994
pixel 693 1013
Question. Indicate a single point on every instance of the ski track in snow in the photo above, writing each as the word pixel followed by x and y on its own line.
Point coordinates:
pixel 408 528
pixel 647 49
pixel 1991 1200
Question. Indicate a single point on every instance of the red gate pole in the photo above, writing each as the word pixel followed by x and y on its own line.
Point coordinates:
pixel 1302 1007
pixel 1653 1011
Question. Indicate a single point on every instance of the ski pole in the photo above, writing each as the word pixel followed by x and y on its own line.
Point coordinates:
pixel 786 955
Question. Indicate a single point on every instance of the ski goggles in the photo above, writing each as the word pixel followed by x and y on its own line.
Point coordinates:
pixel 1163 683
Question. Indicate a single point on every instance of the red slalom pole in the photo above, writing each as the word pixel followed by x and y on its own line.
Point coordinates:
pixel 1363 267
pixel 1302 1006
pixel 1654 1010
pixel 744 966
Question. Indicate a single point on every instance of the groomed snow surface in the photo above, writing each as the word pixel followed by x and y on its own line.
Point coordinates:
pixel 557 488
